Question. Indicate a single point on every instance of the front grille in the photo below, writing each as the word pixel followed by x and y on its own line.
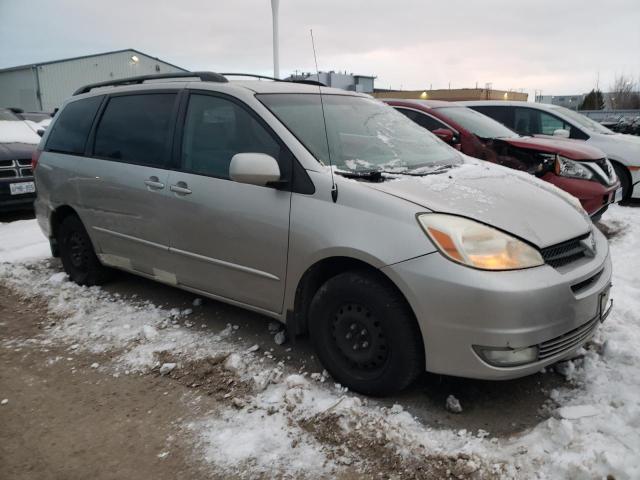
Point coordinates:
pixel 565 252
pixel 15 168
pixel 567 341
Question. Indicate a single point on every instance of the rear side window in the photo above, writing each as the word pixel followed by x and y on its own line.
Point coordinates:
pixel 72 127
pixel 136 129
pixel 501 114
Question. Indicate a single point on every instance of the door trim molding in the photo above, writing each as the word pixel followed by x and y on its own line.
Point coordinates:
pixel 133 239
pixel 222 263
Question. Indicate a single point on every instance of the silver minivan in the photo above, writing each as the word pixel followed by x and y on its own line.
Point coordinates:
pixel 329 211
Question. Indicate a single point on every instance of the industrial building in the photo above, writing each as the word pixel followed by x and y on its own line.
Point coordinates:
pixel 342 80
pixel 44 86
pixel 452 94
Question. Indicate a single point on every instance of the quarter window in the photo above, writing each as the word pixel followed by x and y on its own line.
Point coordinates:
pixel 215 130
pixel 70 131
pixel 136 129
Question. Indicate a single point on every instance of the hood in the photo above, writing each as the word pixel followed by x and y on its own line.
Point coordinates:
pixel 16 151
pixel 17 131
pixel 572 149
pixel 512 201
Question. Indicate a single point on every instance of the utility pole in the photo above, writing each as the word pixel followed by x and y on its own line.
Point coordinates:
pixel 276 46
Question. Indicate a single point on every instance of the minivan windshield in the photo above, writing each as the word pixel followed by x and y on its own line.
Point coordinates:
pixel 362 134
pixel 583 121
pixel 477 123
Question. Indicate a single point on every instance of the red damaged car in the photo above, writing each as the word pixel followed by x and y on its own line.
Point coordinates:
pixel 583 171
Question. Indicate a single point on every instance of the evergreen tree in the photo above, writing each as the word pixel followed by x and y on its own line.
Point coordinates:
pixel 593 101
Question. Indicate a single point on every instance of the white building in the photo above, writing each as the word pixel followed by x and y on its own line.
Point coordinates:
pixel 44 86
pixel 345 81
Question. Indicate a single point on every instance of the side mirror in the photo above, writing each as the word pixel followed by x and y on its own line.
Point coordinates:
pixel 561 132
pixel 444 134
pixel 254 169
pixel 40 132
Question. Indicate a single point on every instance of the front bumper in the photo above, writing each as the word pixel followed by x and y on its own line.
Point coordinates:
pixel 458 307
pixel 594 196
pixel 10 202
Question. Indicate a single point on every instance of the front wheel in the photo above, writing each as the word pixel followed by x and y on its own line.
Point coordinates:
pixel 625 181
pixel 77 254
pixel 365 334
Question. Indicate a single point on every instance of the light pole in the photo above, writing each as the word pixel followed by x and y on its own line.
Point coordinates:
pixel 276 47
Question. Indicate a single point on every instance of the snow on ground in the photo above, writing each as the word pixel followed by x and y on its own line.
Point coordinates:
pixel 302 426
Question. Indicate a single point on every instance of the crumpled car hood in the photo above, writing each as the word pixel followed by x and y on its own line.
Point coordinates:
pixel 512 201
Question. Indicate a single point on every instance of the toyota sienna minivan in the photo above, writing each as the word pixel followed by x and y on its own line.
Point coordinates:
pixel 329 211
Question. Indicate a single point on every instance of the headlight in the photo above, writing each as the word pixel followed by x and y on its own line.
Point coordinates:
pixel 476 245
pixel 572 169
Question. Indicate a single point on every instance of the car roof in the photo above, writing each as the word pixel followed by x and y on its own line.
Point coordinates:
pixel 422 103
pixel 510 103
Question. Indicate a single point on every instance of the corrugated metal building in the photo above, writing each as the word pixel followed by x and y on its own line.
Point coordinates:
pixel 44 86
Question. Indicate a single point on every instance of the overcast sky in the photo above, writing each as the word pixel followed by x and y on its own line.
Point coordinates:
pixel 556 46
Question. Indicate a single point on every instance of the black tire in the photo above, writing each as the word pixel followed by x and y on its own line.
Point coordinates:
pixel 77 254
pixel 625 181
pixel 365 334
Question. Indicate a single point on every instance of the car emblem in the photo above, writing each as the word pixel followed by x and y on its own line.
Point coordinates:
pixel 589 245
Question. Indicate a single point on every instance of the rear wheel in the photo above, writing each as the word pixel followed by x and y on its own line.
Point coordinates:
pixel 365 334
pixel 625 181
pixel 77 254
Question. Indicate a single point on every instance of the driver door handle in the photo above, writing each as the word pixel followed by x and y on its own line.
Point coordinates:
pixel 181 188
pixel 154 183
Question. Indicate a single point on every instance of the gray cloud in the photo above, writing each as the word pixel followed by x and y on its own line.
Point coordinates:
pixel 558 47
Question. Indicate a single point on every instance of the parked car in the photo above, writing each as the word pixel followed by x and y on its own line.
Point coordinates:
pixel 17 144
pixel 242 192
pixel 580 170
pixel 539 119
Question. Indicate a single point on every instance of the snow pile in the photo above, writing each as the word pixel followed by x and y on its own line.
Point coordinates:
pixel 22 240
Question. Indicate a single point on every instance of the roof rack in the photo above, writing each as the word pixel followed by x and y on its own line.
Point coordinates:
pixel 203 76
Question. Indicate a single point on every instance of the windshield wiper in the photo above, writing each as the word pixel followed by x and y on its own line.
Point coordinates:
pixel 376 175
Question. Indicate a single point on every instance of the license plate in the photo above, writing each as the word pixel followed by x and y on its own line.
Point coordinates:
pixel 605 304
pixel 22 188
pixel 618 195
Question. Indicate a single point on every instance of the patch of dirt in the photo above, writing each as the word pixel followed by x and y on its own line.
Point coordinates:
pixel 611 229
pixel 66 419
pixel 366 446
pixel 208 375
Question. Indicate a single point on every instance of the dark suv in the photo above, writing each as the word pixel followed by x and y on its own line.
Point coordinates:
pixel 17 144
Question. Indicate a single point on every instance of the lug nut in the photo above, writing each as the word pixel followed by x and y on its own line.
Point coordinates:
pixel 353 326
pixel 365 344
pixel 363 332
pixel 355 347
pixel 348 336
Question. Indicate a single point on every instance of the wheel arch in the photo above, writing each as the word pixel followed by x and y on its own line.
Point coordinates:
pixel 321 271
pixel 57 217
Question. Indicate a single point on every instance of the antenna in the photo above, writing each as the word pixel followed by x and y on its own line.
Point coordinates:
pixel 334 187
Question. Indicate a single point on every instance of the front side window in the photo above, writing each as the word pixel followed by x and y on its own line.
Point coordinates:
pixel 477 123
pixel 422 119
pixel 361 134
pixel 136 129
pixel 499 114
pixel 215 130
pixel 71 129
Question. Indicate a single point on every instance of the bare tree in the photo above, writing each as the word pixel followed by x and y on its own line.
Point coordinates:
pixel 624 93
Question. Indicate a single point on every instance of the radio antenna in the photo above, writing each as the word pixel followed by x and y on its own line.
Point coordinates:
pixel 334 187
